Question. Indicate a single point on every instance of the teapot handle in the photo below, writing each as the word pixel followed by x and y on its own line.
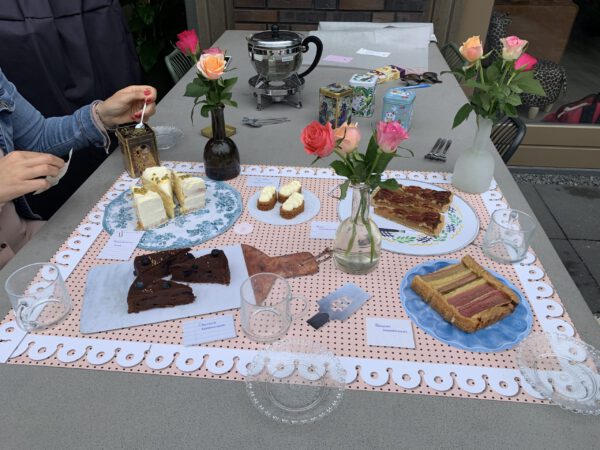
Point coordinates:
pixel 315 40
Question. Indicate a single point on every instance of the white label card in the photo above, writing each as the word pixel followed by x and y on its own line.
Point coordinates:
pixel 364 51
pixel 323 230
pixel 121 245
pixel 256 181
pixel 202 331
pixel 390 332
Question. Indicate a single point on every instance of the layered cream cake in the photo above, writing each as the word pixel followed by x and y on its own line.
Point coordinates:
pixel 159 180
pixel 149 208
pixel 267 198
pixel 190 191
pixel 293 206
pixel 288 189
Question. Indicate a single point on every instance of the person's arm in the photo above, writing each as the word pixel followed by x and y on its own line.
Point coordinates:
pixel 57 135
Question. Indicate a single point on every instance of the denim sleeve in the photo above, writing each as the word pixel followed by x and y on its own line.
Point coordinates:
pixel 55 135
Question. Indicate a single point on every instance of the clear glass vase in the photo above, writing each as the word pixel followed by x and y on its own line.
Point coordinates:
pixel 474 168
pixel 221 156
pixel 357 244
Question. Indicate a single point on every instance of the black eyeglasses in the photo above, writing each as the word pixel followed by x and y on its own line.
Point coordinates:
pixel 412 79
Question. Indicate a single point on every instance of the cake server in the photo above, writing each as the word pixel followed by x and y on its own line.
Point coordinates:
pixel 339 305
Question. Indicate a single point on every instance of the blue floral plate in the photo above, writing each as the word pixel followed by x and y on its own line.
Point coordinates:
pixel 223 207
pixel 500 336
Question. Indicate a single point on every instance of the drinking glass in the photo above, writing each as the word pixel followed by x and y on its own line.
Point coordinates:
pixel 38 295
pixel 508 236
pixel 266 307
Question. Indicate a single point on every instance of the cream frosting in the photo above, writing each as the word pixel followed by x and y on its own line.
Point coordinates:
pixel 190 191
pixel 266 194
pixel 148 207
pixel 291 187
pixel 294 201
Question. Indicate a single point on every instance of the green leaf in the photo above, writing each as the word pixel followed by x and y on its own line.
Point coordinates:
pixel 476 84
pixel 382 162
pixel 531 86
pixel 229 82
pixel 344 189
pixel 206 109
pixel 228 102
pixel 195 90
pixel 510 110
pixel 513 99
pixel 341 168
pixel 462 114
pixel 492 73
pixel 390 184
pixel 372 149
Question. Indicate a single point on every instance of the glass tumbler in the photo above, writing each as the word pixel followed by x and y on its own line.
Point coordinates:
pixel 265 308
pixel 508 236
pixel 38 295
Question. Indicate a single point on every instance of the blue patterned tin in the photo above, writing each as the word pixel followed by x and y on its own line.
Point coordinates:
pixel 398 106
pixel 363 94
pixel 335 104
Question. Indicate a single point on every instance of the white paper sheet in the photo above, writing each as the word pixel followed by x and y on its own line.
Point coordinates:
pixel 121 245
pixel 105 297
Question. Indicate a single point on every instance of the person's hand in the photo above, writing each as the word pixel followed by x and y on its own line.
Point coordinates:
pixel 22 172
pixel 126 105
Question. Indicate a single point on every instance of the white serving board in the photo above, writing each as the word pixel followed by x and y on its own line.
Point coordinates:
pixel 105 297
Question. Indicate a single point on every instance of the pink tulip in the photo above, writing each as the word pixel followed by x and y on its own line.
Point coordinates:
pixel 526 62
pixel 350 136
pixel 188 42
pixel 390 135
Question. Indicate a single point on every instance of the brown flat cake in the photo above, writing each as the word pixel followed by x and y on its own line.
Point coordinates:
pixel 466 295
pixel 414 207
pixel 211 268
pixel 158 265
pixel 146 293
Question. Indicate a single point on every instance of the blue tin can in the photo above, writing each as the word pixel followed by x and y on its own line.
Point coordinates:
pixel 398 106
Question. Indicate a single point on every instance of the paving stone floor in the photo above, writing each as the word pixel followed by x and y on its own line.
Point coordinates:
pixel 567 204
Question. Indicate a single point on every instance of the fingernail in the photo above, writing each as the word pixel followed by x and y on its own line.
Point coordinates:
pixel 137 115
pixel 147 92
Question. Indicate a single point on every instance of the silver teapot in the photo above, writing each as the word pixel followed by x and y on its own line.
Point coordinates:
pixel 276 55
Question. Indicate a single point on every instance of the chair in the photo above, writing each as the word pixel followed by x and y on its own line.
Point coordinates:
pixel 507 135
pixel 452 56
pixel 178 64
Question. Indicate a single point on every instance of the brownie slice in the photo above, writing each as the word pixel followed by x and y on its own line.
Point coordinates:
pixel 211 268
pixel 158 265
pixel 147 293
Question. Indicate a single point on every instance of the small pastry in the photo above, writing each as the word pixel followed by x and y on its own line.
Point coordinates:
pixel 190 191
pixel 267 198
pixel 148 207
pixel 159 180
pixel 288 189
pixel 293 206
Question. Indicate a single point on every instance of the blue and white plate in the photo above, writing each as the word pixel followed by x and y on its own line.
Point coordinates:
pixel 500 336
pixel 223 207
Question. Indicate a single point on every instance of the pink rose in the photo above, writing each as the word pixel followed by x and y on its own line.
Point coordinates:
pixel 318 139
pixel 211 65
pixel 526 62
pixel 390 135
pixel 512 47
pixel 213 51
pixel 472 50
pixel 350 137
pixel 188 42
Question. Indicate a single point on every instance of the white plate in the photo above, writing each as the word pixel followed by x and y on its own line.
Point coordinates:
pixel 461 228
pixel 312 206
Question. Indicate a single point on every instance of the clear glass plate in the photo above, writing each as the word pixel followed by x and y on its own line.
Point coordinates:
pixel 295 381
pixel 167 136
pixel 562 369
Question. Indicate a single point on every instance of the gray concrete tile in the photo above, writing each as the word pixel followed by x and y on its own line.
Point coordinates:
pixel 541 211
pixel 587 285
pixel 589 252
pixel 576 209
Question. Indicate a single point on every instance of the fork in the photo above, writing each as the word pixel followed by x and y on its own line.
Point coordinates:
pixel 257 123
pixel 439 150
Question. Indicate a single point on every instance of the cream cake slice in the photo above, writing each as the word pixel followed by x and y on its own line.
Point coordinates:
pixel 267 198
pixel 190 191
pixel 159 180
pixel 149 208
pixel 288 189
pixel 293 206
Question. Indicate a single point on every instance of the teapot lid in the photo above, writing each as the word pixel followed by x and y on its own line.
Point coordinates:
pixel 275 38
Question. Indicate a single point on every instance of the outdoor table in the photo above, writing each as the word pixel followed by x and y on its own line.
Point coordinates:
pixel 46 407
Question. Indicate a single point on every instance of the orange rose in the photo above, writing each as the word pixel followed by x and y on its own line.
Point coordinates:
pixel 472 50
pixel 211 65
pixel 350 136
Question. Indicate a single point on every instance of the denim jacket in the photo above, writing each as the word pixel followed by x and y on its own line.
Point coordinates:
pixel 23 127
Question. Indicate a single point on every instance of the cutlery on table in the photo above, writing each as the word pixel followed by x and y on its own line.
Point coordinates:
pixel 257 122
pixel 439 150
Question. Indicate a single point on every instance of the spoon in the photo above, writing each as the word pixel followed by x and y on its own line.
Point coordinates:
pixel 141 124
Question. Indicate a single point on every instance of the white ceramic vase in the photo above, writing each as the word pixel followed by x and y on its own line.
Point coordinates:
pixel 474 168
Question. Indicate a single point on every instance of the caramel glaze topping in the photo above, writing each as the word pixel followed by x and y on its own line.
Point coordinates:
pixel 430 218
pixel 412 195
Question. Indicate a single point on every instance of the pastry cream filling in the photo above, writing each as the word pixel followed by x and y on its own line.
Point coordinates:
pixel 162 177
pixel 294 201
pixel 291 187
pixel 266 194
pixel 148 207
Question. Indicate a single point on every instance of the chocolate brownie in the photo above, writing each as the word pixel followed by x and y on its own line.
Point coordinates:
pixel 211 268
pixel 158 265
pixel 146 293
